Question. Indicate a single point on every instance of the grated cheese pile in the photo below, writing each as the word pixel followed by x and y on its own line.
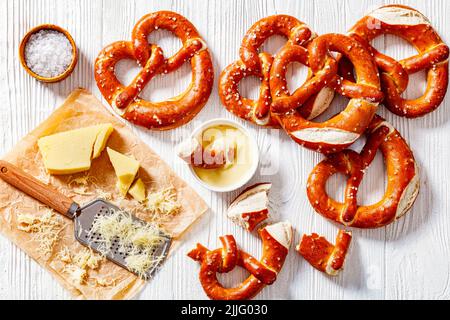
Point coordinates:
pixel 138 240
pixel 80 186
pixel 45 227
pixel 163 203
pixel 78 265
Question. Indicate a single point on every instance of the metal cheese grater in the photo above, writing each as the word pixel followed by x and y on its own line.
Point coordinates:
pixel 83 216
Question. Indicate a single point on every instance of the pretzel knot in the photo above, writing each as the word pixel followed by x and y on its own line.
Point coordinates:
pixel 125 100
pixel 276 240
pixel 342 130
pixel 415 28
pixel 402 180
pixel 253 63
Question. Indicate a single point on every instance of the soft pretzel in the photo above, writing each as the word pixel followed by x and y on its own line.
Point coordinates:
pixel 324 256
pixel 276 240
pixel 415 28
pixel 283 101
pixel 253 63
pixel 342 130
pixel 125 100
pixel 402 180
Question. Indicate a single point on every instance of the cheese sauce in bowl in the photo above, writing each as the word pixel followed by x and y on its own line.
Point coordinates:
pixel 242 166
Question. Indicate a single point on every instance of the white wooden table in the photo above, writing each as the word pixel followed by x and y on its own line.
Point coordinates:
pixel 406 260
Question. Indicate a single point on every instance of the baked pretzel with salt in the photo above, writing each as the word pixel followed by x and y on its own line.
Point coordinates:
pixel 253 63
pixel 323 255
pixel 276 240
pixel 343 129
pixel 432 56
pixel 402 188
pixel 125 100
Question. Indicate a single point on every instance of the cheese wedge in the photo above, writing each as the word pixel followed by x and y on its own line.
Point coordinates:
pixel 71 151
pixel 126 169
pixel 137 190
pixel 102 139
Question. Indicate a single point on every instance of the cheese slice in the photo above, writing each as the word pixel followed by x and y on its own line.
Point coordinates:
pixel 102 139
pixel 137 190
pixel 126 169
pixel 71 151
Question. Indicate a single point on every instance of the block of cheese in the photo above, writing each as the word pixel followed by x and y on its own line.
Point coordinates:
pixel 137 190
pixel 126 169
pixel 71 151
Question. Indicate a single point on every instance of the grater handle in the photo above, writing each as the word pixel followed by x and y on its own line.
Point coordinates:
pixel 37 189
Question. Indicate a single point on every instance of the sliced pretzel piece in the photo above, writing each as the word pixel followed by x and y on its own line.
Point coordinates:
pixel 217 154
pixel 343 129
pixel 125 100
pixel 276 240
pixel 433 53
pixel 323 255
pixel 403 180
pixel 251 206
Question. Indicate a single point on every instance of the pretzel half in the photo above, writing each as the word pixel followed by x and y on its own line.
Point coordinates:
pixel 251 206
pixel 125 100
pixel 253 63
pixel 323 255
pixel 343 129
pixel 403 180
pixel 432 56
pixel 276 240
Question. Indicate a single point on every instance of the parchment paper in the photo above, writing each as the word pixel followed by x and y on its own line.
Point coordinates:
pixel 81 109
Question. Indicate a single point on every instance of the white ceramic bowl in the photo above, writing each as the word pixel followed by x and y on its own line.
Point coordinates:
pixel 252 144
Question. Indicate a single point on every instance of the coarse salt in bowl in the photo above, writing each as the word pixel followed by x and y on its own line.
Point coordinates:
pixel 48 53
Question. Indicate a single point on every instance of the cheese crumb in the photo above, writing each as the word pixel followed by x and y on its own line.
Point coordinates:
pixel 65 255
pixel 87 259
pixel 79 265
pixel 105 282
pixel 163 202
pixel 46 228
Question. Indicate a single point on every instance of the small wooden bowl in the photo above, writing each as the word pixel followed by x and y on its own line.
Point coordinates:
pixel 23 44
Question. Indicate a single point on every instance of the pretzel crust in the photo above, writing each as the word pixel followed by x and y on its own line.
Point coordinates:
pixel 343 129
pixel 402 180
pixel 415 28
pixel 253 63
pixel 323 255
pixel 125 100
pixel 276 241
